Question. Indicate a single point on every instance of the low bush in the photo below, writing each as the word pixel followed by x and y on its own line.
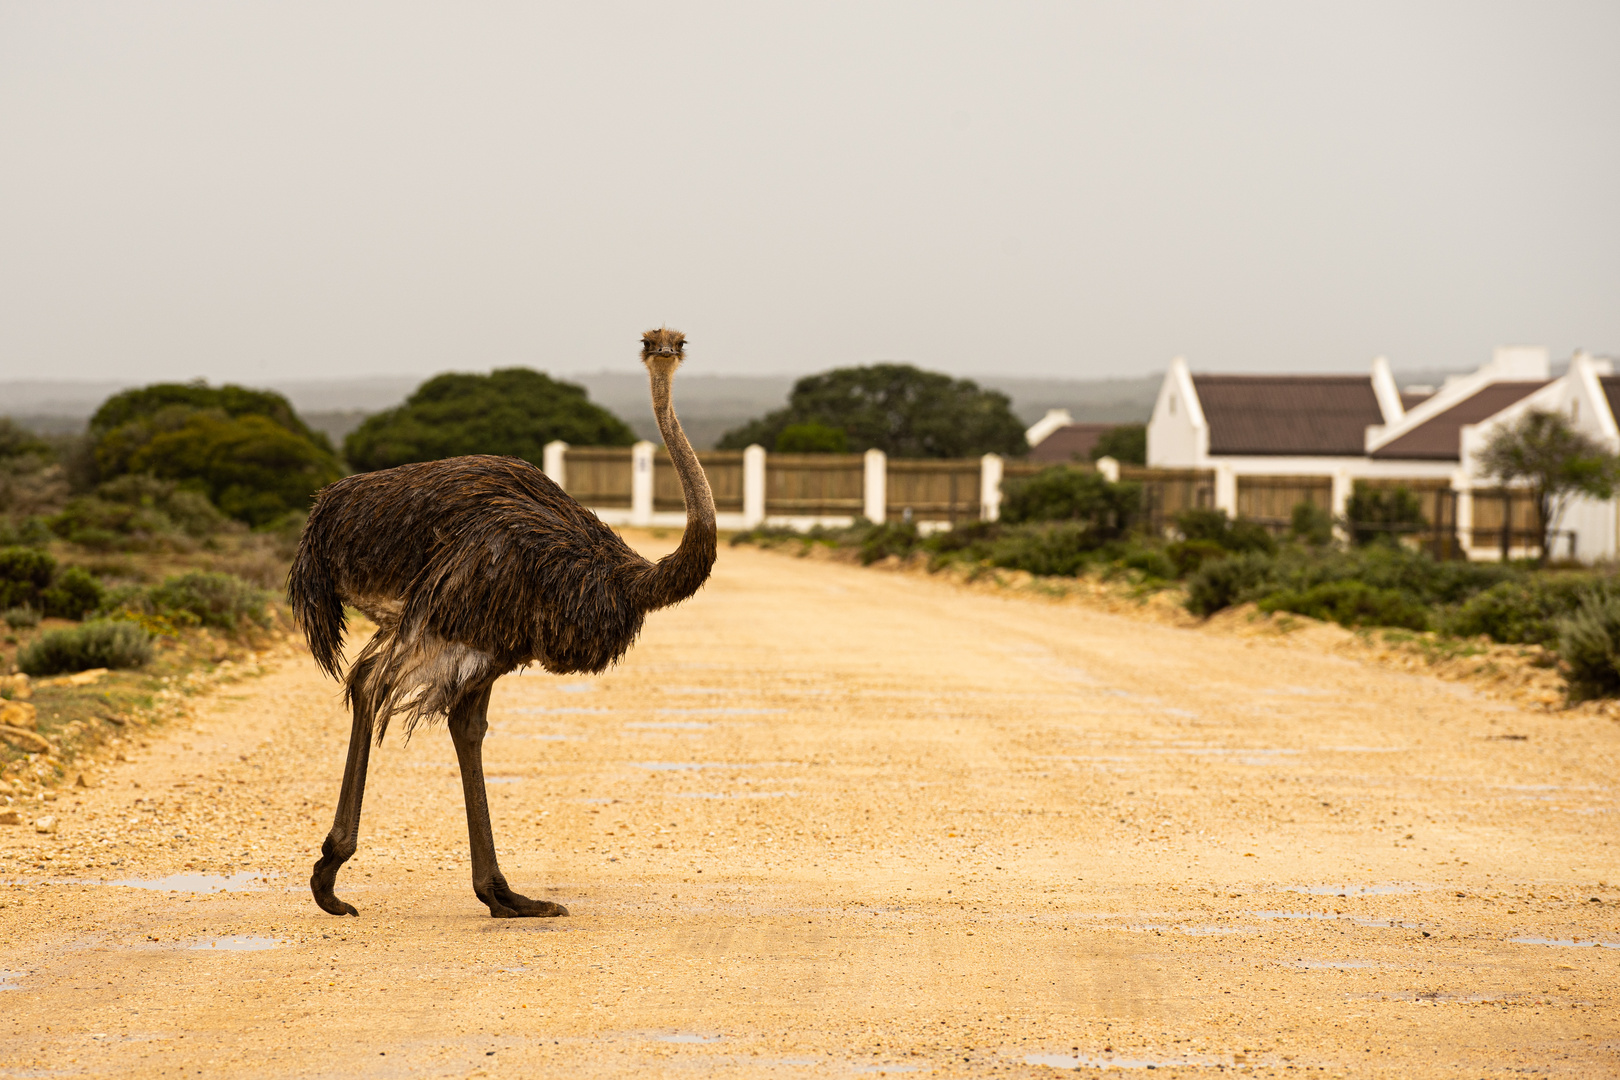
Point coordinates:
pixel 1351 603
pixel 1224 582
pixel 20 618
pixel 1187 556
pixel 222 601
pixel 73 595
pixel 1589 646
pixel 890 538
pixel 102 644
pixel 1064 493
pixel 138 513
pixel 1236 535
pixel 1311 524
pixel 24 532
pixel 1525 610
pixel 25 573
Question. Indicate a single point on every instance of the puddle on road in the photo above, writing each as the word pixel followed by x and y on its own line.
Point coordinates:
pixel 1567 943
pixel 8 980
pixel 241 881
pixel 577 688
pixel 237 943
pixel 670 725
pixel 689 1038
pixel 1195 930
pixel 1086 1061
pixel 1357 919
pixel 1394 888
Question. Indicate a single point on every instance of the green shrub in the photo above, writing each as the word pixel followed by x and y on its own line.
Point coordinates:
pixel 1240 535
pixel 1311 524
pixel 1059 549
pixel 890 538
pixel 1189 555
pixel 1224 582
pixel 1589 646
pixel 74 594
pixel 1151 561
pixel 29 532
pixel 223 601
pixel 24 574
pixel 1064 493
pixel 1383 515
pixel 108 644
pixel 19 618
pixel 1521 611
pixel 1351 603
pixel 1125 443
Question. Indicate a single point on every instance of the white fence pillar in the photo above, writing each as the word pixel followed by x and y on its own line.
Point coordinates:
pixel 641 483
pixel 875 490
pixel 1339 501
pixel 1226 489
pixel 990 471
pixel 556 463
pixel 1109 468
pixel 753 486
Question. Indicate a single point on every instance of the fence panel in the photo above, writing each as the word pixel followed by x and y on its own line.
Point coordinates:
pixel 1494 508
pixel 1167 492
pixel 724 468
pixel 1439 505
pixel 598 476
pixel 933 490
pixel 815 484
pixel 1270 500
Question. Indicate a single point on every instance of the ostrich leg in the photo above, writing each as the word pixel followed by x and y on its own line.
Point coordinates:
pixel 340 842
pixel 469 720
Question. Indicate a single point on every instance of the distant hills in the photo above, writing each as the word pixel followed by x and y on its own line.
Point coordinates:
pixel 709 405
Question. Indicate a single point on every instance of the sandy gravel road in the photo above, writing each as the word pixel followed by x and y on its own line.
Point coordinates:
pixel 828 821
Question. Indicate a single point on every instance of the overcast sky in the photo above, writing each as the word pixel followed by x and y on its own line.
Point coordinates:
pixel 251 191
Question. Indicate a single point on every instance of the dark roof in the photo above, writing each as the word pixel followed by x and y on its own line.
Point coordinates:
pixel 1611 390
pixel 1412 401
pixel 1068 442
pixel 1439 438
pixel 1288 414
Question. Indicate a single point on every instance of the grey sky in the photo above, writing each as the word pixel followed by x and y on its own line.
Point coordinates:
pixel 256 191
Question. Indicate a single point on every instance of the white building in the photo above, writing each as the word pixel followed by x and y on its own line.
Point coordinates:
pixel 1303 433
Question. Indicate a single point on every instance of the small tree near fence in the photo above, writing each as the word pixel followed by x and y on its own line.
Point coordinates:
pixel 1382 515
pixel 1558 463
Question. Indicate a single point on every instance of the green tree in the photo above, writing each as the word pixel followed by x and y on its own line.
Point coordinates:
pixel 250 467
pixel 246 450
pixel 513 411
pixel 1558 463
pixel 812 439
pixel 897 408
pixel 1064 493
pixel 1126 444
pixel 1379 515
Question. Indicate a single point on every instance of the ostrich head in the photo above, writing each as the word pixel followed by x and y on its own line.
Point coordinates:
pixel 662 350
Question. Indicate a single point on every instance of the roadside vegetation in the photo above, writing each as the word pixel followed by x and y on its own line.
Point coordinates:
pixel 1364 571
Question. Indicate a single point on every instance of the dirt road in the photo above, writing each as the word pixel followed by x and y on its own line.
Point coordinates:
pixel 828 821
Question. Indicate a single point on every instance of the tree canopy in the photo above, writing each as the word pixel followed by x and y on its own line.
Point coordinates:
pixel 1558 462
pixel 512 411
pixel 1126 444
pixel 247 450
pixel 902 410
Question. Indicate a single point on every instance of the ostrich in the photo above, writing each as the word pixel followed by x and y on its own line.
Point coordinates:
pixel 471 567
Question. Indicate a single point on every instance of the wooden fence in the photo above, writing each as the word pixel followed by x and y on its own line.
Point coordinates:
pixel 936 491
pixel 724 468
pixel 599 476
pixel 815 485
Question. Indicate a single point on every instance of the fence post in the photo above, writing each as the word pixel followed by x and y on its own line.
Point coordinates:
pixel 1109 468
pixel 641 483
pixel 754 486
pixel 1340 500
pixel 874 490
pixel 990 473
pixel 555 463
pixel 1226 489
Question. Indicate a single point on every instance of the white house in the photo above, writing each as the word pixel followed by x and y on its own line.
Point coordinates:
pixel 1344 428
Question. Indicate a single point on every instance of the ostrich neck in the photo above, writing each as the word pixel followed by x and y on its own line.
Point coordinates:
pixel 680 574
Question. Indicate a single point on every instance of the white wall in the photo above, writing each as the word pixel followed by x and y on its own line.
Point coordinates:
pixel 1178 435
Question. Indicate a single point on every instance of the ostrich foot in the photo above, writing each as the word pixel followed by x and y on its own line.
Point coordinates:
pixel 321 882
pixel 506 904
